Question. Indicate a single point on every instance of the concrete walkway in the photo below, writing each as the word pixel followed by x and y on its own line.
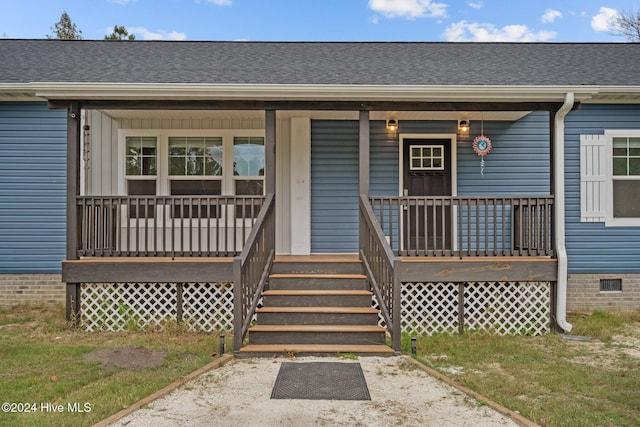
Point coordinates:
pixel 238 394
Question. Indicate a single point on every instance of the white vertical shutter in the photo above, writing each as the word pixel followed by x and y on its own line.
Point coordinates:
pixel 593 164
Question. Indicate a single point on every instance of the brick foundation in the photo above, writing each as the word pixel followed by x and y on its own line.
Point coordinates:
pixel 31 289
pixel 583 293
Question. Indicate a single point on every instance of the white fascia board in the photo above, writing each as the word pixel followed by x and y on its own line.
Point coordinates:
pixel 17 92
pixel 178 91
pixel 617 95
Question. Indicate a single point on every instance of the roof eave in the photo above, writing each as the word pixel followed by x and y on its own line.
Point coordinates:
pixel 277 92
pixel 616 95
pixel 17 92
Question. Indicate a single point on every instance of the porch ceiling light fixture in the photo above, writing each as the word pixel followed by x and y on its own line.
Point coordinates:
pixel 392 125
pixel 464 127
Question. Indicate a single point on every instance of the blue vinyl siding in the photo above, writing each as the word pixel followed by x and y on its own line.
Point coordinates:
pixel 334 186
pixel 518 164
pixel 32 188
pixel 592 247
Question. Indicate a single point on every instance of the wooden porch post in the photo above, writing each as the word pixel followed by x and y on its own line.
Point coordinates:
pixel 73 187
pixel 397 307
pixel 270 151
pixel 364 143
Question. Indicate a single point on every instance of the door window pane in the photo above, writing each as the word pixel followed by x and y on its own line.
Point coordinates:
pixel 426 157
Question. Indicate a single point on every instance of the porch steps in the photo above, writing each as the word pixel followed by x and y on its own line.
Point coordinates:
pixel 316 307
pixel 268 350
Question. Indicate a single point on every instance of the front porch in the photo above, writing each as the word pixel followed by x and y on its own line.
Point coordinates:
pixel 217 282
pixel 154 219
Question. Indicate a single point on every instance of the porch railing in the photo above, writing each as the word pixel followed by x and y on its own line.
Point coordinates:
pixel 380 266
pixel 146 226
pixel 251 269
pixel 467 226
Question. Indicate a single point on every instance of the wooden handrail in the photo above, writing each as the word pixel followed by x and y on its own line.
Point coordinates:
pixel 251 269
pixel 380 267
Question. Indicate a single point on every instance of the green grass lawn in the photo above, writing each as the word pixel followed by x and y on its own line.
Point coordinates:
pixel 549 379
pixel 43 366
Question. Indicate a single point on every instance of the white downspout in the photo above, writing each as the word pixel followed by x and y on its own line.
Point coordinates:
pixel 559 211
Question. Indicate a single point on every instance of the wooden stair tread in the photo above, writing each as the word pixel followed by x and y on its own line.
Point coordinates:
pixel 358 310
pixel 303 292
pixel 316 276
pixel 317 348
pixel 332 259
pixel 317 328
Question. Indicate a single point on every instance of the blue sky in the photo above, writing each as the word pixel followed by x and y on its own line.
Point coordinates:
pixel 322 20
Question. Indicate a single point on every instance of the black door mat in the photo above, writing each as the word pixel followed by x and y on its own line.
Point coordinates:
pixel 320 381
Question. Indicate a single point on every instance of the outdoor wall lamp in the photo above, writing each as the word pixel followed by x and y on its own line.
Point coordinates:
pixel 392 125
pixel 464 126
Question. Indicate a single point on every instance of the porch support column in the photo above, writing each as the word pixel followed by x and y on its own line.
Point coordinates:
pixel 73 187
pixel 364 143
pixel 270 151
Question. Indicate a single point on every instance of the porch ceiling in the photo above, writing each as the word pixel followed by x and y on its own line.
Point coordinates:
pixel 339 115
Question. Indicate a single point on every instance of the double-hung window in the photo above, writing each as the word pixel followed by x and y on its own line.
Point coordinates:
pixel 195 169
pixel 626 176
pixel 192 164
pixel 141 169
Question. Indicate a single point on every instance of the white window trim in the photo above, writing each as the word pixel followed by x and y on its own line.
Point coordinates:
pixel 610 221
pixel 163 178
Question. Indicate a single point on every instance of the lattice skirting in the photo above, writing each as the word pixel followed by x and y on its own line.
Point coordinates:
pixel 503 308
pixel 427 308
pixel 118 306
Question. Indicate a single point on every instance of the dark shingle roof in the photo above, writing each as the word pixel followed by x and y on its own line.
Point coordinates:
pixel 350 63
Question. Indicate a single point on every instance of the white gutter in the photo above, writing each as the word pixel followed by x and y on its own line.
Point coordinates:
pixel 559 205
pixel 315 92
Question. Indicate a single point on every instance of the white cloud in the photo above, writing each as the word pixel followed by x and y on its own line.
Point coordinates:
pixel 221 2
pixel 601 21
pixel 476 5
pixel 157 35
pixel 550 16
pixel 410 9
pixel 123 1
pixel 480 32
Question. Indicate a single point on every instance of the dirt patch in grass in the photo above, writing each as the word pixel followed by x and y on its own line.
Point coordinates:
pixel 612 354
pixel 127 357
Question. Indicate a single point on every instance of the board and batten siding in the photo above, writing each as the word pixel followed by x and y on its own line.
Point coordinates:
pixel 592 247
pixel 102 178
pixel 32 188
